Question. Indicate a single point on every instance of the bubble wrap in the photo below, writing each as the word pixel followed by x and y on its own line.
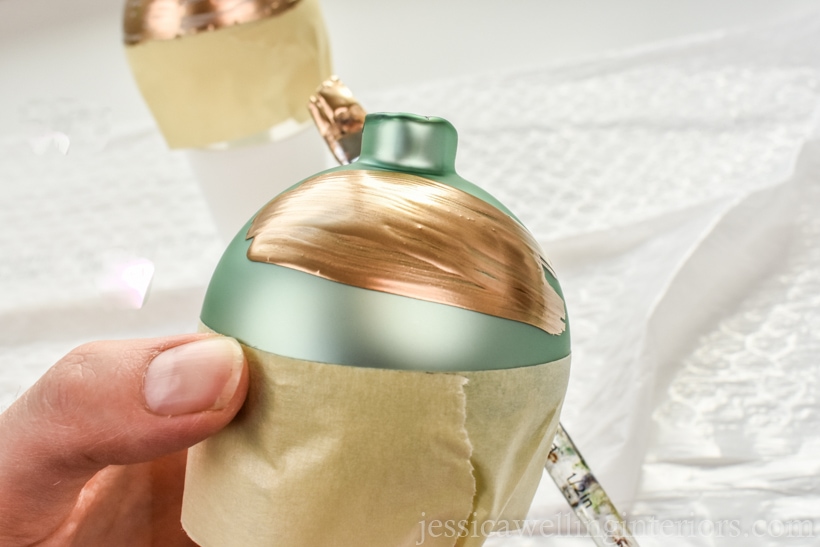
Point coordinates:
pixel 676 188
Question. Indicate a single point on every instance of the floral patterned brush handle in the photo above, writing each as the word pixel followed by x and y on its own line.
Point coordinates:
pixel 585 494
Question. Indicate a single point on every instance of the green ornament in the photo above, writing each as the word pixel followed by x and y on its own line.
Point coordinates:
pixel 295 312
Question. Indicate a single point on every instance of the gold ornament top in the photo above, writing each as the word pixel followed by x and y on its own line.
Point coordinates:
pixel 147 20
pixel 339 118
pixel 411 236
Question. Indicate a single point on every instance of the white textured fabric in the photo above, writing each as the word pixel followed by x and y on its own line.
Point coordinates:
pixel 677 191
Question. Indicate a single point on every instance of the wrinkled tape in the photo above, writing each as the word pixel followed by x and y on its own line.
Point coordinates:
pixel 338 455
pixel 234 82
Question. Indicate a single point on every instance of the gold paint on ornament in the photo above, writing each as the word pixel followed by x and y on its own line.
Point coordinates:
pixel 411 236
pixel 147 20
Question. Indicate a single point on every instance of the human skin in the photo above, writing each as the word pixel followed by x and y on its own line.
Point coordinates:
pixel 94 453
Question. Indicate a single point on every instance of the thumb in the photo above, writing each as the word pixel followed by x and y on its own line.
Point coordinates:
pixel 111 403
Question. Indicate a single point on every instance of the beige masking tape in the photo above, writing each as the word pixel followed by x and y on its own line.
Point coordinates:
pixel 236 81
pixel 336 455
pixel 512 417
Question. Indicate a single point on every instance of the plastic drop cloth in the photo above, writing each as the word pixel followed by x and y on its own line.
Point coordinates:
pixel 677 190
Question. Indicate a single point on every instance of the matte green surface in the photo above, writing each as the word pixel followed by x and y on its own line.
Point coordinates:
pixel 299 315
pixel 423 145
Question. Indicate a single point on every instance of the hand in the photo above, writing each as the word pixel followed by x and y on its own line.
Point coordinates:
pixel 94 453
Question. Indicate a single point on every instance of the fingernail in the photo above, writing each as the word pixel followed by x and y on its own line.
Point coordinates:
pixel 198 376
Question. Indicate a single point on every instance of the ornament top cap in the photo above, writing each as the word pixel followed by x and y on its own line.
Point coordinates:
pixel 408 142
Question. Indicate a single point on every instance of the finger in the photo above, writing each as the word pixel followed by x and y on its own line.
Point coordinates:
pixel 111 403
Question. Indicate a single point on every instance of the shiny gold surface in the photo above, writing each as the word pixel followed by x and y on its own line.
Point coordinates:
pixel 339 118
pixel 410 236
pixel 147 20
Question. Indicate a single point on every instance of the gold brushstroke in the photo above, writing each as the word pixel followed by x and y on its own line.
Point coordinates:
pixel 147 20
pixel 410 236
